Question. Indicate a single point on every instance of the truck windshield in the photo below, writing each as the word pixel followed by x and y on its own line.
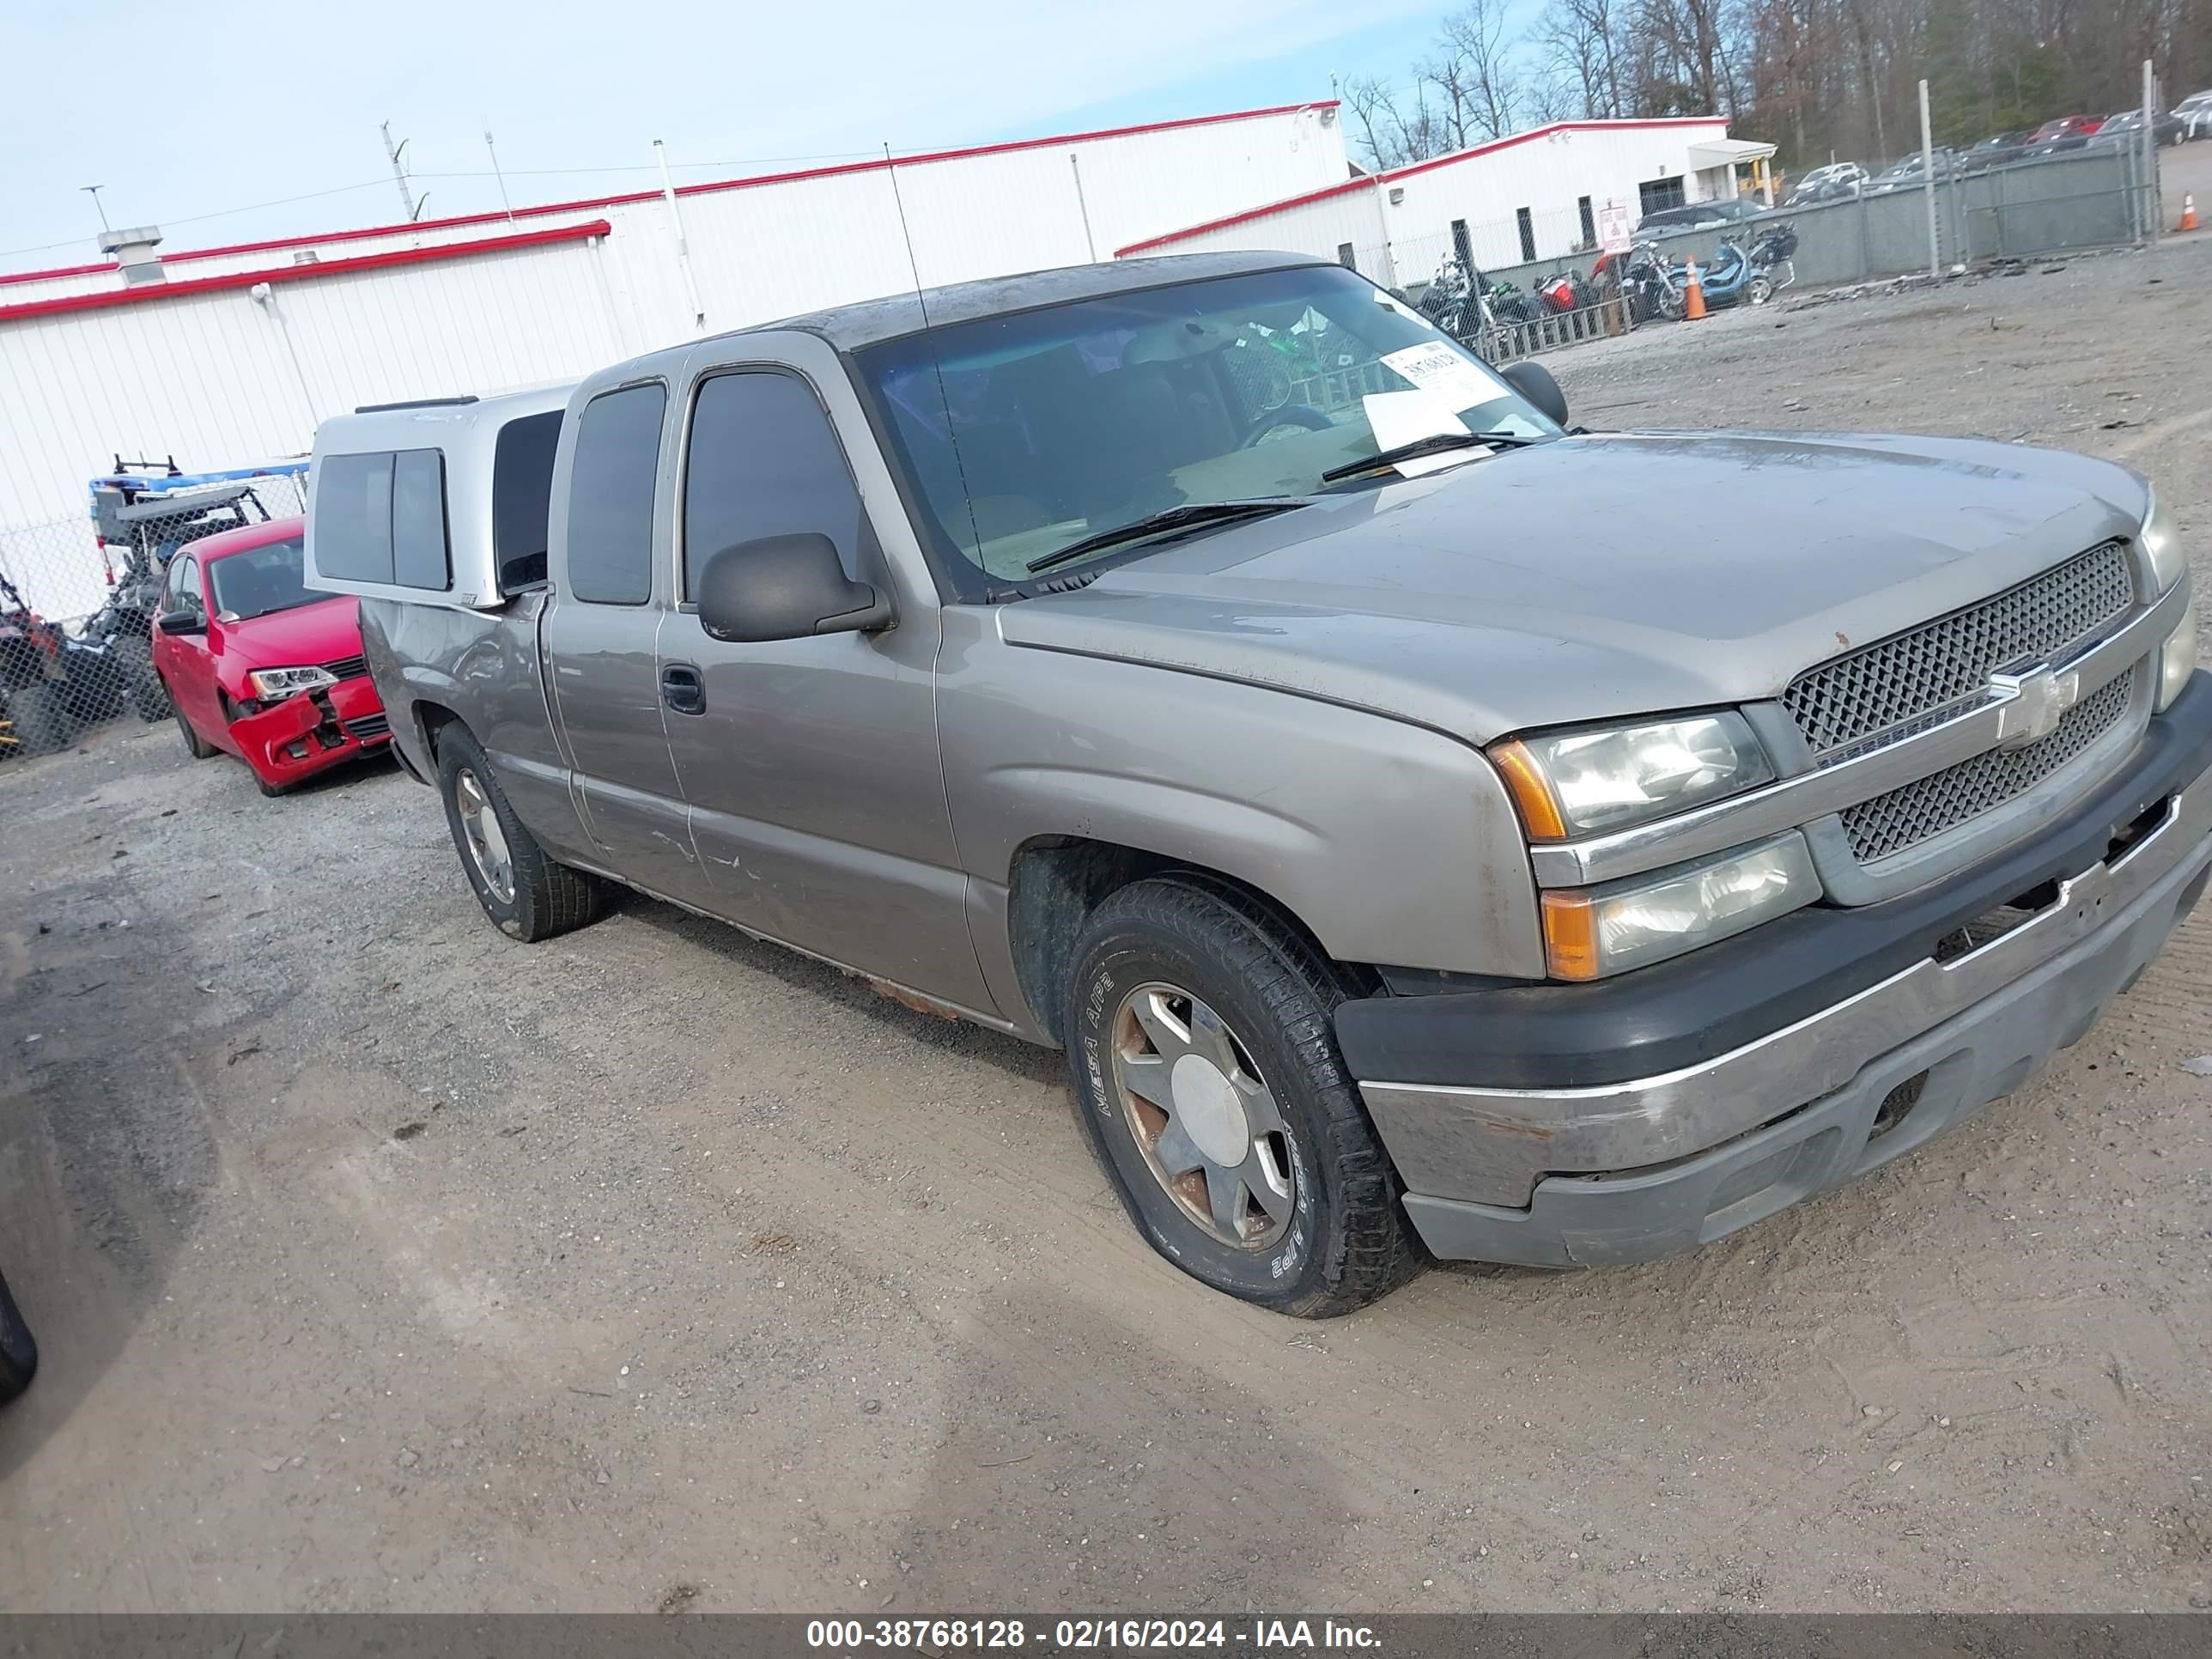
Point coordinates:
pixel 1028 433
pixel 262 580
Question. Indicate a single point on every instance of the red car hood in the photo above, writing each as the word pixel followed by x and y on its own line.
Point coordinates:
pixel 325 631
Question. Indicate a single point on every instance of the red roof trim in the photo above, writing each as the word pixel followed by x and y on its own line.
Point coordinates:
pixel 231 279
pixel 9 276
pixel 1370 180
pixel 711 186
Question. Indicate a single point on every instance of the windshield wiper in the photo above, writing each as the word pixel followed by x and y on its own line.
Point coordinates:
pixel 1191 515
pixel 1435 444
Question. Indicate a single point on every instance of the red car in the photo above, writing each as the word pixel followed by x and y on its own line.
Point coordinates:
pixel 261 665
pixel 2066 126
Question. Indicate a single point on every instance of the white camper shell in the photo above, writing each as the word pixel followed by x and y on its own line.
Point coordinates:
pixel 438 502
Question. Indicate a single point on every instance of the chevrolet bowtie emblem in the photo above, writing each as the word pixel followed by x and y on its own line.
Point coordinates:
pixel 2033 702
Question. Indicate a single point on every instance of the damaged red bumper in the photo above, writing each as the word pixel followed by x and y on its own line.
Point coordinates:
pixel 312 731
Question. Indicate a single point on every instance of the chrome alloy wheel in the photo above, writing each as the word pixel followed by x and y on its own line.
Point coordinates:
pixel 1203 1116
pixel 487 842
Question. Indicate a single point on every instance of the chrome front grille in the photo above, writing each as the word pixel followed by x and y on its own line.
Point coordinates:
pixel 1927 807
pixel 1885 691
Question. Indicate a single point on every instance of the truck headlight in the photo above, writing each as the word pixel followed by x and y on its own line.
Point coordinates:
pixel 1573 783
pixel 274 683
pixel 2176 660
pixel 1595 932
pixel 2163 543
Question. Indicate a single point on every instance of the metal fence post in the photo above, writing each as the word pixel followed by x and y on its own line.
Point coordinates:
pixel 2154 209
pixel 1928 183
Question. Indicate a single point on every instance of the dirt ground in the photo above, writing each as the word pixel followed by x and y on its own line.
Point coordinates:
pixel 383 1263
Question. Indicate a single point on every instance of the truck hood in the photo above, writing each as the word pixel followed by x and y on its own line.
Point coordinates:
pixel 1595 577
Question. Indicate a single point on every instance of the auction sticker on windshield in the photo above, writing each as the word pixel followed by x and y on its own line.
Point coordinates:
pixel 1404 417
pixel 1438 368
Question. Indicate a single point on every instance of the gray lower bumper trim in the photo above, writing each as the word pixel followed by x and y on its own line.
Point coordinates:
pixel 1975 1057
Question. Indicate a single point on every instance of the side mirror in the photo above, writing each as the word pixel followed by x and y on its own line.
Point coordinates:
pixel 1533 381
pixel 181 622
pixel 784 588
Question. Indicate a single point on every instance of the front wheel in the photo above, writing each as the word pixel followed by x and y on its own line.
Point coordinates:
pixel 195 745
pixel 1759 290
pixel 526 892
pixel 1207 1076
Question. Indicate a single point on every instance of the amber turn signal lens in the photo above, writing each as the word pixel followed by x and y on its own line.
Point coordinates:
pixel 1532 794
pixel 1571 936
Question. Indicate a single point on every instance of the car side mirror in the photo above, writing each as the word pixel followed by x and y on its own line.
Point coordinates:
pixel 1533 381
pixel 181 622
pixel 784 588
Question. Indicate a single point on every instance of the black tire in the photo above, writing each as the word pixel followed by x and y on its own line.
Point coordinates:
pixel 1347 1241
pixel 41 715
pixel 19 1354
pixel 149 697
pixel 195 745
pixel 548 898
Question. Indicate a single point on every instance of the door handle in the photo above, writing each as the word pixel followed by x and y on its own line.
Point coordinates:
pixel 683 689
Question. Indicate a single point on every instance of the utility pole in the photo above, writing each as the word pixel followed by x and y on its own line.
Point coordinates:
pixel 398 170
pixel 94 191
pixel 501 177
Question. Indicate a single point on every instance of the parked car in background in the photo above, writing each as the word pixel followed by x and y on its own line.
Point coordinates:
pixel 1907 171
pixel 1827 183
pixel 1699 216
pixel 1329 761
pixel 259 665
pixel 2064 143
pixel 2194 114
pixel 2126 128
pixel 1994 151
pixel 2065 127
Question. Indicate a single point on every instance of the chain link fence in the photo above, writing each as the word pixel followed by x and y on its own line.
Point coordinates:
pixel 79 599
pixel 1476 282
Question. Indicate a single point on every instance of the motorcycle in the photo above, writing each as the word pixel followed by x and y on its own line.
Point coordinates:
pixel 1567 290
pixel 1643 281
pixel 1454 301
pixel 1771 253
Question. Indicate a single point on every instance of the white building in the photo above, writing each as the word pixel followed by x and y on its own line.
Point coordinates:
pixel 225 356
pixel 1529 197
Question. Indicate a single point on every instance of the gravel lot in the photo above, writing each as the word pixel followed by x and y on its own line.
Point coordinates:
pixel 382 1263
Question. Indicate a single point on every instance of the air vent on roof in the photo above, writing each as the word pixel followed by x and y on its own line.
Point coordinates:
pixel 133 253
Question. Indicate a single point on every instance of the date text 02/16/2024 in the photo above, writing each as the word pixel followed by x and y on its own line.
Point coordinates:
pixel 938 1635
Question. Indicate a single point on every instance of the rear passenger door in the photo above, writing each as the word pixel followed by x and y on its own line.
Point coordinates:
pixel 600 638
pixel 817 800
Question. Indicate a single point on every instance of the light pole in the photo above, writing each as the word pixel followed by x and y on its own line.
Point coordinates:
pixel 94 191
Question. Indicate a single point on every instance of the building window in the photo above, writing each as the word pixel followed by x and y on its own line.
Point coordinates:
pixel 1527 235
pixel 1463 249
pixel 1589 223
pixel 1656 195
pixel 1344 257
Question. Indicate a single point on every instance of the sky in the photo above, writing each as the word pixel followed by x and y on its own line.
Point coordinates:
pixel 258 107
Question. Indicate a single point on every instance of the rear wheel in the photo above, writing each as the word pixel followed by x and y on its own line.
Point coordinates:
pixel 1206 1075
pixel 1760 290
pixel 148 696
pixel 41 717
pixel 528 894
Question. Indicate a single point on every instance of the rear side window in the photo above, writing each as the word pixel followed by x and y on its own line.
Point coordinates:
pixel 381 518
pixel 353 518
pixel 522 497
pixel 610 497
pixel 764 461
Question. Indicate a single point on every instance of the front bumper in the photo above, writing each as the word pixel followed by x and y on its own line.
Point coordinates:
pixel 312 731
pixel 1626 1168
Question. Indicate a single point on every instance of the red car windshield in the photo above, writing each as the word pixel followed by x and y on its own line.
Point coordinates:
pixel 262 580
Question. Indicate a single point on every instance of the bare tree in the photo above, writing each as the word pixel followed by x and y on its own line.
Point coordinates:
pixel 1474 37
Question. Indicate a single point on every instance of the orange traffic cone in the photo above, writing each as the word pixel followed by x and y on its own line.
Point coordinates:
pixel 2188 214
pixel 1694 297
